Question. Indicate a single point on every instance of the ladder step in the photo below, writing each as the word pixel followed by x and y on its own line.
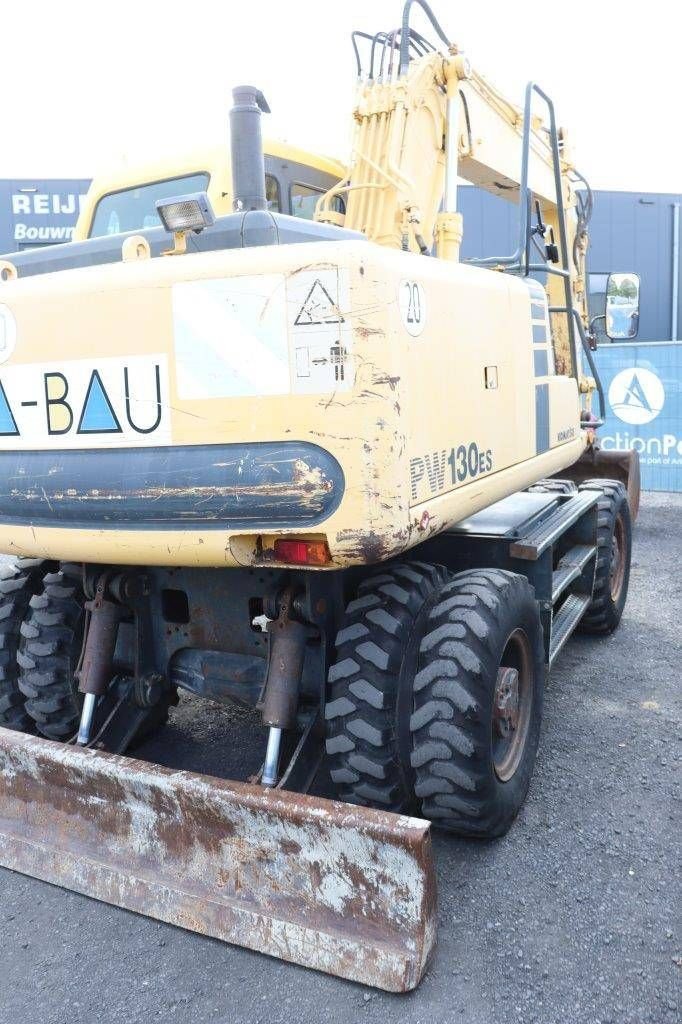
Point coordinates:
pixel 565 621
pixel 548 530
pixel 570 567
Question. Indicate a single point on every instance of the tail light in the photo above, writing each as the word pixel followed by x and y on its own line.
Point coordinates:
pixel 302 552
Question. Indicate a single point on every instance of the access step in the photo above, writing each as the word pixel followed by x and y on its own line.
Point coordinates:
pixel 570 567
pixel 547 531
pixel 566 620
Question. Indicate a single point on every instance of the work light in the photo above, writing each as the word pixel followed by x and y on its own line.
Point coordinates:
pixel 186 213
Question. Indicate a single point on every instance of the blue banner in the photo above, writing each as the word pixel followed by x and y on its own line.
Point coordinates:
pixel 643 391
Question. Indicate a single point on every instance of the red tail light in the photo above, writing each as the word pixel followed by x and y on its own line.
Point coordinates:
pixel 302 552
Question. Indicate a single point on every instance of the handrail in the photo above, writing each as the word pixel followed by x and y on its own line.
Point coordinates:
pixel 519 261
pixel 588 353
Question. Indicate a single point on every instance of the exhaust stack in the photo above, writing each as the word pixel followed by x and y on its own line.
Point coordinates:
pixel 246 143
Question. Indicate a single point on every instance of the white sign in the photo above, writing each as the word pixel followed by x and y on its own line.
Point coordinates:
pixel 45 216
pixel 8 333
pixel 412 302
pixel 636 395
pixel 264 334
pixel 85 403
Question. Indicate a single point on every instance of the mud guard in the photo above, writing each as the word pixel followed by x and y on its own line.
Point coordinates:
pixel 611 465
pixel 343 889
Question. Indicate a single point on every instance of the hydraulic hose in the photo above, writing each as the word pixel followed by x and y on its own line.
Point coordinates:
pixel 405 32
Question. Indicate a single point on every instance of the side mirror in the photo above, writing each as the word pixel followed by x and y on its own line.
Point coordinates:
pixel 622 306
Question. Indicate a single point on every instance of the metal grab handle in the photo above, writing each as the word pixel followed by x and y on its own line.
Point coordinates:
pixel 588 352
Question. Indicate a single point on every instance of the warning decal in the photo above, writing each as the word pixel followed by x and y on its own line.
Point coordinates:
pixel 318 302
pixel 318 308
pixel 84 404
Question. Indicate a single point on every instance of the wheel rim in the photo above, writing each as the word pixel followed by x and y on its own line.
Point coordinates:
pixel 617 568
pixel 512 703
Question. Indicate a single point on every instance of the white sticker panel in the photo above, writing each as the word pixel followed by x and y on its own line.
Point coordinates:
pixel 263 335
pixel 8 333
pixel 319 325
pixel 231 337
pixel 85 403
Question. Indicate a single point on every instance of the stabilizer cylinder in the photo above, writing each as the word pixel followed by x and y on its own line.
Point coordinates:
pixel 100 644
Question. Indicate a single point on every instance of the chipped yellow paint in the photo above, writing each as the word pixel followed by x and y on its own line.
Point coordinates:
pixel 412 397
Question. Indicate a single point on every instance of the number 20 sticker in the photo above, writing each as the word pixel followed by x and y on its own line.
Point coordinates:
pixel 412 302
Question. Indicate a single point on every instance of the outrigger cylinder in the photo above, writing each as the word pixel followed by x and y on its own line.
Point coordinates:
pixel 346 890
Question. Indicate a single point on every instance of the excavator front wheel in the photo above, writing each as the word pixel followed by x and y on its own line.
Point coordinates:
pixel 614 551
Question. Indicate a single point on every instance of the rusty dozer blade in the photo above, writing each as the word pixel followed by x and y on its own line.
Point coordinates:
pixel 343 889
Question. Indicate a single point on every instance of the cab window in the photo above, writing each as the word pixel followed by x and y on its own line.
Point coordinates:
pixel 273 194
pixel 304 200
pixel 132 209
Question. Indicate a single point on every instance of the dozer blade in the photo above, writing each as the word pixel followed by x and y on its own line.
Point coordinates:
pixel 340 888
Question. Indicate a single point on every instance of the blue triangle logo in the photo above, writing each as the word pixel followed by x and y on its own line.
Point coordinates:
pixel 98 416
pixel 8 424
pixel 635 394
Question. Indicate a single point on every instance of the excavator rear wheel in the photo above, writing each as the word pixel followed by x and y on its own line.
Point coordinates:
pixel 50 648
pixel 18 584
pixel 370 686
pixel 435 696
pixel 478 697
pixel 51 641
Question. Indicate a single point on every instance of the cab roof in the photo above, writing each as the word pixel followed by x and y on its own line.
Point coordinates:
pixel 213 159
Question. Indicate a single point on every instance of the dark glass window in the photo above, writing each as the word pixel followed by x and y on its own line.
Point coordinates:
pixel 273 194
pixel 304 200
pixel 134 208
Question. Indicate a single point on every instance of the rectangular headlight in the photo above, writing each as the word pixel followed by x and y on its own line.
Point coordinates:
pixel 186 213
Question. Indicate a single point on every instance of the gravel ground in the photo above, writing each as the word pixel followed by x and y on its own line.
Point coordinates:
pixel 572 918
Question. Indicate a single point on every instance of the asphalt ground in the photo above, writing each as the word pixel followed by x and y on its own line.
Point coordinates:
pixel 572 918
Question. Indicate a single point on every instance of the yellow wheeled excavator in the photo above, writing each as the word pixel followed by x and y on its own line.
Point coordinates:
pixel 325 468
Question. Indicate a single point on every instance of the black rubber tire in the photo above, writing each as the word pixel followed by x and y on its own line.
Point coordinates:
pixel 603 614
pixel 376 658
pixel 18 584
pixel 51 640
pixel 452 722
pixel 410 696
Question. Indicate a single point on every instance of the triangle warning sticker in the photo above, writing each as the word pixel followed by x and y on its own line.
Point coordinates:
pixel 318 308
pixel 98 416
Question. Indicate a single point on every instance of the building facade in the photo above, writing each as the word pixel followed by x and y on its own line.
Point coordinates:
pixel 36 211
